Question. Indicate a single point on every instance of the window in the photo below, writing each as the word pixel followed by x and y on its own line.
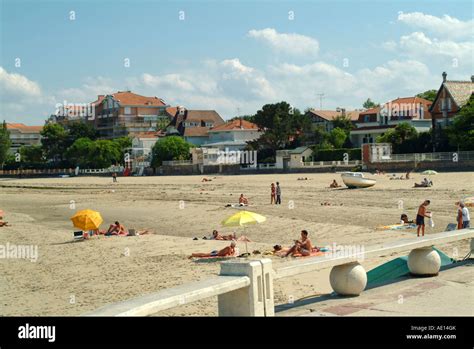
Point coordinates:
pixel 366 118
pixel 448 100
pixel 128 110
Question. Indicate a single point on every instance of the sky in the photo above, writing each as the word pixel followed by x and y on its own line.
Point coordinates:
pixel 230 56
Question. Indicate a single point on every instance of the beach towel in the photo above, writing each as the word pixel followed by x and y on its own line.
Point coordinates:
pixel 396 226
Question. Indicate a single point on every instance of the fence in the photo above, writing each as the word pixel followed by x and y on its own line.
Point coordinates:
pixel 419 157
pixel 245 288
pixel 330 163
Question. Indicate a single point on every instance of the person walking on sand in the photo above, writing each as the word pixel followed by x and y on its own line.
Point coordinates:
pixel 278 194
pixel 420 218
pixel 273 194
pixel 114 177
pixel 466 219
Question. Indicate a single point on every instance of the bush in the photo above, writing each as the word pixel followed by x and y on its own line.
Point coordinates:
pixel 336 154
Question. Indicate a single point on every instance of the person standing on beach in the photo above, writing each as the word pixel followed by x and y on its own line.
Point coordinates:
pixel 114 177
pixel 278 194
pixel 420 218
pixel 273 194
pixel 466 219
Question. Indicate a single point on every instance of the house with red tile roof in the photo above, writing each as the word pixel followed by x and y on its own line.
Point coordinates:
pixel 119 114
pixel 23 135
pixel 233 135
pixel 325 118
pixel 451 97
pixel 125 113
pixel 193 125
pixel 374 122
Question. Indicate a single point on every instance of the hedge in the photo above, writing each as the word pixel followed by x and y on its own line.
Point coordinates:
pixel 337 154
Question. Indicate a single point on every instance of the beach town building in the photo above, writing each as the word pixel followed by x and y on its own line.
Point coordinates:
pixel 292 158
pixel 376 121
pixel 126 113
pixel 325 118
pixel 233 135
pixel 193 125
pixel 23 135
pixel 452 96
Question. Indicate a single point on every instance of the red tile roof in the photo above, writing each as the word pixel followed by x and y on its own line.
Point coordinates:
pixel 149 134
pixel 237 124
pixel 24 128
pixel 130 98
pixel 197 131
pixel 330 115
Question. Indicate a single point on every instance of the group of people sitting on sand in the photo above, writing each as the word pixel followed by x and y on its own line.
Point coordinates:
pixel 402 177
pixel 425 183
pixel 302 247
pixel 243 201
pixel 115 229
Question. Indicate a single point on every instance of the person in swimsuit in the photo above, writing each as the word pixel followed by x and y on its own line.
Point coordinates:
pixel 303 246
pixel 273 194
pixel 116 229
pixel 225 252
pixel 420 218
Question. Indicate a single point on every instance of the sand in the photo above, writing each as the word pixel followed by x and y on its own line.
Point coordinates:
pixel 71 278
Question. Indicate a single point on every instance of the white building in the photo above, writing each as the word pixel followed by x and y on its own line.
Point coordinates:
pixel 232 135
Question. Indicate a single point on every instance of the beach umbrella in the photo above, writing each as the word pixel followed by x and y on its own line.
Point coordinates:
pixel 243 218
pixel 87 220
pixel 429 172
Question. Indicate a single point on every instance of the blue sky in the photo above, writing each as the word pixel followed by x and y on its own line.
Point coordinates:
pixel 228 55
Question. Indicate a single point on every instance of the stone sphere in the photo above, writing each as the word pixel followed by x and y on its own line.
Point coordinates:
pixel 424 261
pixel 348 279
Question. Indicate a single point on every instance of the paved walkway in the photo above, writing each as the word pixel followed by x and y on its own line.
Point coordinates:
pixel 448 294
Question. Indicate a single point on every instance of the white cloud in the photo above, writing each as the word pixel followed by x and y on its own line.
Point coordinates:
pixel 445 26
pixel 16 84
pixel 293 44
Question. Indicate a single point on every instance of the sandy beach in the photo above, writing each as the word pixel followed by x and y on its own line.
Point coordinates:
pixel 71 278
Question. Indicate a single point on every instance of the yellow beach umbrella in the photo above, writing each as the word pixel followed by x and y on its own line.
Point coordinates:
pixel 243 218
pixel 87 220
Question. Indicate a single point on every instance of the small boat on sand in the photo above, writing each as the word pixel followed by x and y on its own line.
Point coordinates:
pixel 356 180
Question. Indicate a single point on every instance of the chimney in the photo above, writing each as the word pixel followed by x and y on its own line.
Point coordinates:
pixel 444 76
pixel 240 123
pixel 472 78
pixel 343 111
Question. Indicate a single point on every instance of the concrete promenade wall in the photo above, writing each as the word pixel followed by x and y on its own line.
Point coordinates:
pixel 403 166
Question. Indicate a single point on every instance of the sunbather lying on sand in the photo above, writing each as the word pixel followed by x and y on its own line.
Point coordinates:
pixel 225 252
pixel 230 237
pixel 404 219
pixel 425 183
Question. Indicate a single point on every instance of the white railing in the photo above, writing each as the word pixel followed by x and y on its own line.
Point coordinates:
pixel 330 163
pixel 245 288
pixel 418 157
pixel 177 162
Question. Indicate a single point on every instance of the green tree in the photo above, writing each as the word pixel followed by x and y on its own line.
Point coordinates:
pixel 337 137
pixel 79 152
pixel 170 148
pixel 103 154
pixel 54 141
pixel 461 132
pixel 343 122
pixel 368 104
pixel 282 124
pixel 5 143
pixel 79 129
pixel 32 154
pixel 398 135
pixel 124 144
pixel 430 95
